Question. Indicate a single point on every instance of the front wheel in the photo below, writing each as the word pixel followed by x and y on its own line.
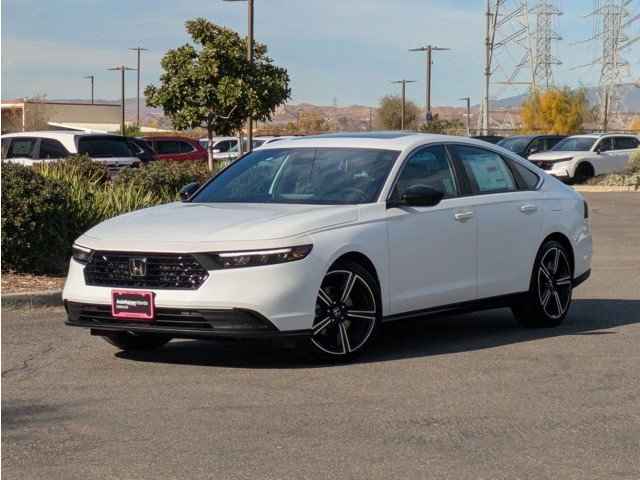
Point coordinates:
pixel 131 342
pixel 348 313
pixel 549 297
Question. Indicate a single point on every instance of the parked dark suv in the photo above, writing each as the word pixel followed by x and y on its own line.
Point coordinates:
pixel 525 145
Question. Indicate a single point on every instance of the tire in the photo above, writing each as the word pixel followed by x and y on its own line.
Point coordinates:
pixel 348 313
pixel 130 343
pixel 549 298
pixel 583 173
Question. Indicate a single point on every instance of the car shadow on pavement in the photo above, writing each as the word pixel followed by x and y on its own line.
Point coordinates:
pixel 421 337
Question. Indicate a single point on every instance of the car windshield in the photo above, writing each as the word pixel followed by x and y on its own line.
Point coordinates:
pixel 574 144
pixel 517 145
pixel 302 175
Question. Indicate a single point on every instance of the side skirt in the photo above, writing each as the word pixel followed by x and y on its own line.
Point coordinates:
pixel 501 301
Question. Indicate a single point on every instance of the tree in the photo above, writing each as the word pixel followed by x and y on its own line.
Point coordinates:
pixel 390 112
pixel 556 111
pixel 212 85
pixel 634 126
pixel 444 126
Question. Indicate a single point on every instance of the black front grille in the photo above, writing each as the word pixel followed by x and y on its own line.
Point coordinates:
pixel 161 271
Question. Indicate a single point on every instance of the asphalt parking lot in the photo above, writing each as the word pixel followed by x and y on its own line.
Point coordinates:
pixel 469 397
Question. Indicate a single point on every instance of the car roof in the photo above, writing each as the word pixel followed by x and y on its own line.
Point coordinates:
pixel 389 140
pixel 57 134
pixel 167 137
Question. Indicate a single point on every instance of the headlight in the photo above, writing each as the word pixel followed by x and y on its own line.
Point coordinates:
pixel 82 254
pixel 255 258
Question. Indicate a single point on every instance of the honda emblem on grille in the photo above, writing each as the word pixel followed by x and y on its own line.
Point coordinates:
pixel 138 266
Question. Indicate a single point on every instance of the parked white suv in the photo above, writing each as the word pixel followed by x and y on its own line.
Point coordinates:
pixel 581 157
pixel 28 148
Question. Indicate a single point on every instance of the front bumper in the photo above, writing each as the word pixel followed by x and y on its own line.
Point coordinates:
pixel 179 323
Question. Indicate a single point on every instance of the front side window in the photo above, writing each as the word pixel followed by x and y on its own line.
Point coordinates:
pixel 486 170
pixel 575 144
pixel 104 147
pixel 21 148
pixel 51 149
pixel 224 145
pixel 302 175
pixel 430 168
pixel 551 142
pixel 625 143
pixel 529 178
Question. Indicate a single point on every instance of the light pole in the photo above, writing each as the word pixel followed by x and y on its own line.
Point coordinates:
pixel 429 49
pixel 91 77
pixel 122 69
pixel 250 58
pixel 468 100
pixel 138 50
pixel 404 97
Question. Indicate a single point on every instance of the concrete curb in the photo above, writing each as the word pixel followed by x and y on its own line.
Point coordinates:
pixel 604 188
pixel 46 298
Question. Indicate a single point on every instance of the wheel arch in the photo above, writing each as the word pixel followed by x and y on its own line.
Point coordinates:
pixel 565 242
pixel 362 260
pixel 587 163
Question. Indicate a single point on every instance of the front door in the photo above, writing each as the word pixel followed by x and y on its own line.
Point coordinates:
pixel 432 250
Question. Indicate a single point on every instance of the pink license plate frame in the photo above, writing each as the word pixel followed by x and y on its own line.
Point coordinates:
pixel 133 305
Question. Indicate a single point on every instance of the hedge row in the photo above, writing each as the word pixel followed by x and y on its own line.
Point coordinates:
pixel 45 208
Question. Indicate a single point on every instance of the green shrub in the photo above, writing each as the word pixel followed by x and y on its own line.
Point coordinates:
pixel 35 221
pixel 118 198
pixel 164 179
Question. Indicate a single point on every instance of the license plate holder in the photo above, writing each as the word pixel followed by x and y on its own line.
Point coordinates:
pixel 133 305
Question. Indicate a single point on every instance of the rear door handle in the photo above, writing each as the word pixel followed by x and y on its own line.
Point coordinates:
pixel 528 208
pixel 463 216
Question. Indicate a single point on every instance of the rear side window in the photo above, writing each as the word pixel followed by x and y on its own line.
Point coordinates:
pixel 486 170
pixel 186 147
pixel 625 143
pixel 51 149
pixel 104 147
pixel 21 148
pixel 169 147
pixel 527 177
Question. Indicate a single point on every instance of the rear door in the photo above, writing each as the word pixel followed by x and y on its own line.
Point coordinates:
pixel 623 146
pixel 509 220
pixel 172 149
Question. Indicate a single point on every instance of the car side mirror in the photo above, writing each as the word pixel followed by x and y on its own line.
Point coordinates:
pixel 215 150
pixel 418 196
pixel 188 190
pixel 533 150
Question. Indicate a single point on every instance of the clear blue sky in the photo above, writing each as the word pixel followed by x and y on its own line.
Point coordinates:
pixel 349 50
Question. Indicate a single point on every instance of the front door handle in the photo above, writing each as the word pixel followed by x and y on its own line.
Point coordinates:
pixel 528 208
pixel 463 216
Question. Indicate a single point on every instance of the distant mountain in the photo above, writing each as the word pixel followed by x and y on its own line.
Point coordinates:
pixel 629 99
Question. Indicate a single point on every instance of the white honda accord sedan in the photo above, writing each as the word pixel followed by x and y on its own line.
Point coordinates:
pixel 326 238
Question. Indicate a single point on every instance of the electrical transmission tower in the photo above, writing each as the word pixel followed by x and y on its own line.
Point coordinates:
pixel 612 19
pixel 544 36
pixel 515 44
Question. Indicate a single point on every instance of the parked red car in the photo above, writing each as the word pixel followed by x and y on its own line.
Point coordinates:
pixel 176 148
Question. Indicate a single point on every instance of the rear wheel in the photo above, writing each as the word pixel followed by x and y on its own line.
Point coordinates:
pixel 132 342
pixel 348 313
pixel 549 297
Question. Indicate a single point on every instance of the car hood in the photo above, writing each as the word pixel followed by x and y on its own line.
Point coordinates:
pixel 551 155
pixel 204 226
